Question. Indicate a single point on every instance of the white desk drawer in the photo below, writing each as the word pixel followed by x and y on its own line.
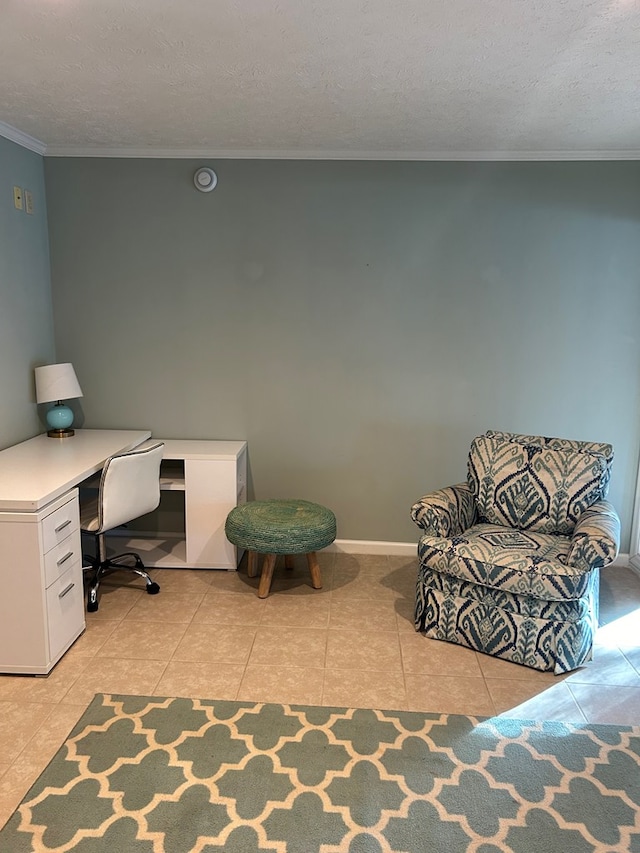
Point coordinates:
pixel 61 557
pixel 60 523
pixel 65 610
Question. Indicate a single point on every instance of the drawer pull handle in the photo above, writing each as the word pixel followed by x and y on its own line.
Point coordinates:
pixel 63 525
pixel 66 590
pixel 64 559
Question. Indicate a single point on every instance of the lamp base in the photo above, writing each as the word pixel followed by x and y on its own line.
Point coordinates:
pixel 59 421
pixel 60 433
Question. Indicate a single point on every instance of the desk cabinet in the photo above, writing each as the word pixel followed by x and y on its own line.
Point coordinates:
pixel 212 477
pixel 41 594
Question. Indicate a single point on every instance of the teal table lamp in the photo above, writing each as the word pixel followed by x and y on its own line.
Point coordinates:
pixel 55 383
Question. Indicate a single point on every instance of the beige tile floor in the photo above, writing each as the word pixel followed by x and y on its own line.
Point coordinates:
pixel 351 643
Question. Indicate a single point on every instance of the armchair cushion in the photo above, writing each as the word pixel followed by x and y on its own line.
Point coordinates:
pixel 536 484
pixel 516 561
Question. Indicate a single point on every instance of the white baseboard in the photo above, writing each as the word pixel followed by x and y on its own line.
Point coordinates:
pixel 634 563
pixel 410 549
pixel 368 546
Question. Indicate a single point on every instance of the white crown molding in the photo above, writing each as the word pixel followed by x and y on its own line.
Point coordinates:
pixel 441 156
pixel 39 147
pixel 23 139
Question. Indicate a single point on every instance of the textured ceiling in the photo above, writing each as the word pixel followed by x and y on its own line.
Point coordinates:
pixel 332 78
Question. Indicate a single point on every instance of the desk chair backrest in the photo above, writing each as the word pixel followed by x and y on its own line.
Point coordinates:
pixel 129 486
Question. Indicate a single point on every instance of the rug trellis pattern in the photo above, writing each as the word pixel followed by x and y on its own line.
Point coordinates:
pixel 153 775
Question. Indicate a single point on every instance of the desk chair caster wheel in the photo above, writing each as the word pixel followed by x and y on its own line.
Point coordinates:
pixel 153 588
pixel 92 601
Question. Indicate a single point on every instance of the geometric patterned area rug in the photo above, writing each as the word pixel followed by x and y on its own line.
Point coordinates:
pixel 151 775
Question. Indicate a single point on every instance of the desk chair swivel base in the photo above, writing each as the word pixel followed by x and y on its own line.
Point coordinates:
pixel 102 565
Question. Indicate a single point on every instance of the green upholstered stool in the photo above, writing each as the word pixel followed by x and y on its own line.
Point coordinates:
pixel 281 527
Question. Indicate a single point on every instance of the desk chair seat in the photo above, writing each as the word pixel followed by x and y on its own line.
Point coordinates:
pixel 129 487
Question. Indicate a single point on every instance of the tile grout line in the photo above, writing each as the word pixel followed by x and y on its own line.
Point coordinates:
pixel 486 685
pixel 246 663
pixel 402 664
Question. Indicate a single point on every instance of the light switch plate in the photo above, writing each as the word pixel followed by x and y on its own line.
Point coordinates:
pixel 17 198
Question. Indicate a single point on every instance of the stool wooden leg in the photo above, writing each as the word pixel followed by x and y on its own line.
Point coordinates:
pixel 267 573
pixel 288 561
pixel 252 564
pixel 314 568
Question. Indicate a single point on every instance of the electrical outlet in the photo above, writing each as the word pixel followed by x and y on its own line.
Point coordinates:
pixel 28 201
pixel 17 198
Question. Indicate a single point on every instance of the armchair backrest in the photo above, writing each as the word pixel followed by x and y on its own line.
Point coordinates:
pixel 534 482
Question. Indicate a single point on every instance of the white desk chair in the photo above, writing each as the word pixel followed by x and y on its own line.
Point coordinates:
pixel 129 487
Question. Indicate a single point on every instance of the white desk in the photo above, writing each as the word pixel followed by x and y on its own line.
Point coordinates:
pixel 41 590
pixel 37 471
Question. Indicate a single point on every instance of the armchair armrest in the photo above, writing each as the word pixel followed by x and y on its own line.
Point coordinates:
pixel 445 512
pixel 595 539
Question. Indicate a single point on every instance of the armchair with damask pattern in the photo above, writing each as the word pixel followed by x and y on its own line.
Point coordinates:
pixel 510 560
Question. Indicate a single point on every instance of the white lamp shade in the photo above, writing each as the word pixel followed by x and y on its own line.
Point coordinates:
pixel 56 382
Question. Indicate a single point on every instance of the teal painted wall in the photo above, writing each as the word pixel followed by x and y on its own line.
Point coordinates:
pixel 358 323
pixel 26 320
